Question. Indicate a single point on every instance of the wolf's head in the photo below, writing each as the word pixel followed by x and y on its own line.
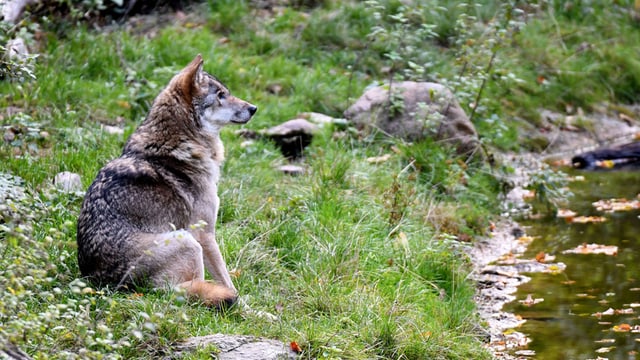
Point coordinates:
pixel 213 103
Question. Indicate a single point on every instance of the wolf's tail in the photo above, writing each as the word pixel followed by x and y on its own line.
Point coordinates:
pixel 213 295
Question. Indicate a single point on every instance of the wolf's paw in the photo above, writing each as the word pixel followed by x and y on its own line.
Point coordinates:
pixel 213 295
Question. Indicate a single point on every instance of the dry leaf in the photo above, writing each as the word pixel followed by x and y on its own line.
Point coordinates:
pixel 525 353
pixel 295 347
pixel 622 328
pixel 604 350
pixel 525 239
pixel 378 159
pixel 605 341
pixel 530 301
pixel 613 205
pixel 566 214
pixel 588 219
pixel 593 249
pixel 605 164
pixel 555 268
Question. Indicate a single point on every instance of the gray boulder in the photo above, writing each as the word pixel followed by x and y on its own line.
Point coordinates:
pixel 240 347
pixel 292 137
pixel 418 110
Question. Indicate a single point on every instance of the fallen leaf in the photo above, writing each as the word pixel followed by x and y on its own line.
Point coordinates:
pixel 566 214
pixel 555 269
pixel 605 341
pixel 607 312
pixel 542 258
pixel 295 347
pixel 525 239
pixel 623 311
pixel 530 301
pixel 235 273
pixel 611 311
pixel 525 353
pixel 625 117
pixel 603 350
pixel 593 249
pixel 621 328
pixel 378 159
pixel 588 219
pixel 123 104
pixel 561 162
pixel 605 164
pixel 613 205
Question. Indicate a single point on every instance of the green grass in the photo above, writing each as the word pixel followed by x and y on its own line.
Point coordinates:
pixel 357 259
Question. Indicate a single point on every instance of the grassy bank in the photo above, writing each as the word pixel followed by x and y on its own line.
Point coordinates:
pixel 357 259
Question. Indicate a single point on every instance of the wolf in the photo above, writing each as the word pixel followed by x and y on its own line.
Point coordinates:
pixel 149 216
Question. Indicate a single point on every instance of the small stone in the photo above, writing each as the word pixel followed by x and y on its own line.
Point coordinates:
pixel 9 135
pixel 113 130
pixel 240 347
pixel 293 170
pixel 292 137
pixel 292 128
pixel 68 182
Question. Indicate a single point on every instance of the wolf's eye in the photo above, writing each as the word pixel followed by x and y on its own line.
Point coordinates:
pixel 221 95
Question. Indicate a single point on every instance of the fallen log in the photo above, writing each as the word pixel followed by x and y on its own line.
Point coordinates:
pixel 627 154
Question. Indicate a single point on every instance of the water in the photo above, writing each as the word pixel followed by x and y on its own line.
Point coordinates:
pixel 563 326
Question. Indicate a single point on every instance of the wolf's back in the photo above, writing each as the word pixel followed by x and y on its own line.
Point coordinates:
pixel 102 236
pixel 130 197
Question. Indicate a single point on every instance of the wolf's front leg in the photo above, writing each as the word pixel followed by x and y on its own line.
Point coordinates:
pixel 213 260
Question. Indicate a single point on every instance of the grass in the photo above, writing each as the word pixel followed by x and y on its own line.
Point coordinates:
pixel 357 259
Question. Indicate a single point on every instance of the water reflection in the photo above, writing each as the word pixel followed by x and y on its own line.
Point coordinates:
pixel 564 325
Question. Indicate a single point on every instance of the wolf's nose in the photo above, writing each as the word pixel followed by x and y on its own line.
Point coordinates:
pixel 252 109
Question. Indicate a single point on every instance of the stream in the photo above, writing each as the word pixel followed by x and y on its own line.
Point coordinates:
pixel 591 309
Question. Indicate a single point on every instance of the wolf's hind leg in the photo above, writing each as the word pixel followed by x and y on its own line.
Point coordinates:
pixel 176 259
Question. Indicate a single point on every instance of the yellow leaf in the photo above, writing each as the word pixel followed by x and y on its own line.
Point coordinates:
pixel 124 104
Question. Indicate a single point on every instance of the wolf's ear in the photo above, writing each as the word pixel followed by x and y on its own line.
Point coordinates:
pixel 189 76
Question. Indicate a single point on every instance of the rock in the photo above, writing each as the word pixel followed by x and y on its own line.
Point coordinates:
pixel 9 350
pixel 623 155
pixel 322 119
pixel 112 130
pixel 292 136
pixel 68 182
pixel 565 135
pixel 11 187
pixel 12 9
pixel 240 347
pixel 425 109
pixel 17 49
pixel 293 170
